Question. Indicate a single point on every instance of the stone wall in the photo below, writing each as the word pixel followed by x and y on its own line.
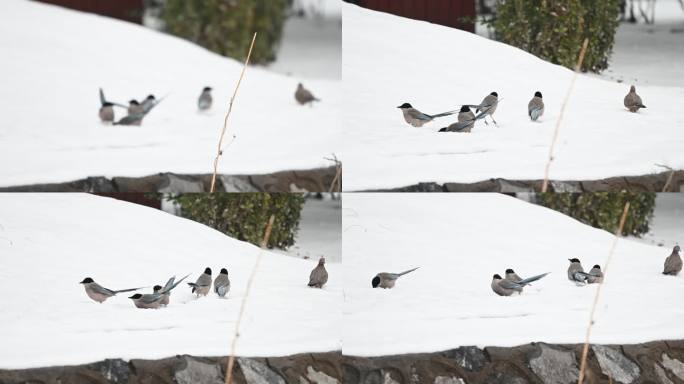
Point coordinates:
pixel 658 362
pixel 645 183
pixel 323 368
pixel 310 180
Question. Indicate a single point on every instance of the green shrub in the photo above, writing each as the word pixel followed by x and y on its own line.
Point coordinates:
pixel 604 209
pixel 227 26
pixel 555 29
pixel 244 215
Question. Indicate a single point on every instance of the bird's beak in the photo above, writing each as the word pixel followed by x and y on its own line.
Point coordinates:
pixel 130 297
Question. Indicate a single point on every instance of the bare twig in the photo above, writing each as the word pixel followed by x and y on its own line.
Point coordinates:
pixel 220 148
pixel 545 185
pixel 236 333
pixel 335 185
pixel 669 178
pixel 585 349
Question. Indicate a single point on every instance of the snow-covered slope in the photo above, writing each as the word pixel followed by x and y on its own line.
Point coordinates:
pixel 459 241
pixel 50 242
pixel 390 60
pixel 55 59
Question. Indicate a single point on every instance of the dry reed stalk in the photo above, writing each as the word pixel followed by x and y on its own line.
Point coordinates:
pixel 669 178
pixel 580 60
pixel 335 185
pixel 585 349
pixel 236 334
pixel 219 151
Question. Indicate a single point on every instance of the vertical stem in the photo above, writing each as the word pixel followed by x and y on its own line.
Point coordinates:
pixel 219 150
pixel 585 349
pixel 236 333
pixel 545 184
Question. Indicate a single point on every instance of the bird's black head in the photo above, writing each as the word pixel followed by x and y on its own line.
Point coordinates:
pixel 134 102
pixel 574 260
pixel 376 281
pixel 497 277
pixel 207 89
pixel 207 271
pixel 465 108
pixel 107 104
pixel 404 106
pixel 150 97
pixel 135 297
pixel 224 271
pixel 510 270
pixel 538 94
pixel 86 280
pixel 597 266
pixel 494 94
pixel 676 248
pixel 157 288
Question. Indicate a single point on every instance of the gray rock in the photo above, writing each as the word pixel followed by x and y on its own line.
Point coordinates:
pixel 115 371
pixel 388 379
pixel 675 366
pixel 175 184
pixel 317 377
pixel 505 378
pixel 616 365
pixel 555 366
pixel 470 358
pixel 256 372
pixel 662 376
pixel 448 380
pixel 509 186
pixel 237 184
pixel 196 371
pixel 566 186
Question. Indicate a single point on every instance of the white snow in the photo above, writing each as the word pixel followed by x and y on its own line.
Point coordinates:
pixel 667 221
pixel 650 54
pixel 459 241
pixel 50 242
pixel 310 47
pixel 389 60
pixel 55 59
pixel 319 233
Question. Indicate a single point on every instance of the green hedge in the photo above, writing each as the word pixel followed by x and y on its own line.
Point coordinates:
pixel 603 209
pixel 244 215
pixel 555 29
pixel 227 26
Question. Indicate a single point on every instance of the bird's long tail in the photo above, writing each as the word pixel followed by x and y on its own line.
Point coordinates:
pixel 171 284
pixel 128 290
pixel 443 114
pixel 103 100
pixel 405 272
pixel 532 279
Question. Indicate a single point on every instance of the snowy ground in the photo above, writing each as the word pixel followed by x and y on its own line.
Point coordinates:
pixel 55 240
pixel 459 241
pixel 311 45
pixel 51 132
pixel 320 232
pixel 651 54
pixel 598 137
pixel 667 224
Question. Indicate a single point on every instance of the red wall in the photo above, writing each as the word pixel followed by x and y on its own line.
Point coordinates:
pixel 444 12
pixel 129 10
